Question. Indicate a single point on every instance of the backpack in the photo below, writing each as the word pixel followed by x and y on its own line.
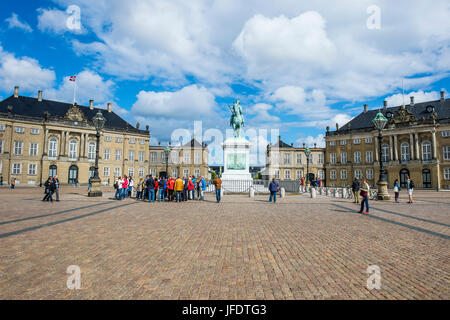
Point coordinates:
pixel 116 185
pixel 411 184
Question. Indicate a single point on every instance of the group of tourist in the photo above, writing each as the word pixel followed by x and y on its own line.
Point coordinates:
pixel 51 186
pixel 363 190
pixel 163 189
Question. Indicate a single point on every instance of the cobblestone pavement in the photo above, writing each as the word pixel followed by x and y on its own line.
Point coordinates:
pixel 242 248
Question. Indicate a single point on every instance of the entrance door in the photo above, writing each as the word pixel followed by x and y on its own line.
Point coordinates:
pixel 426 178
pixel 403 174
pixel 73 174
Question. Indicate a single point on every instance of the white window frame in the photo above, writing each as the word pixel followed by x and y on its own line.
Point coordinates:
pixel 73 149
pixel 333 158
pixel 405 152
pixel 320 158
pixel 91 151
pixel 34 151
pixel 426 151
pixel 446 173
pixel 141 172
pixel 118 155
pixel 106 154
pixel 117 172
pixel 106 171
pixel 153 156
pixel 369 157
pixel 53 148
pixel 277 174
pixel 356 141
pixel 287 174
pixel 107 138
pixel 357 156
pixel 369 174
pixel 299 158
pixel 18 148
pixel 446 152
pixel 343 174
pixel 32 169
pixel 446 133
pixel 343 157
pixel 358 174
pixel 130 155
pixel 34 131
pixel 343 142
pixel 368 140
pixel 197 157
pixel 1 146
pixel 332 143
pixel 141 156
pixel 298 174
pixel 130 172
pixel 384 153
pixel 333 174
pixel 19 130
pixel 16 168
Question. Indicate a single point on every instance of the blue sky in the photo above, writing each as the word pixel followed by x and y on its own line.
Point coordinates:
pixel 296 66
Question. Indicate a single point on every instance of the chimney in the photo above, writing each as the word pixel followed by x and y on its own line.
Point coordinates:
pixel 315 145
pixel 384 106
pixel 412 100
pixel 91 104
pixel 292 144
pixel 304 144
pixel 328 128
pixel 337 127
pixel 366 108
pixel 137 125
pixel 16 92
pixel 40 95
pixel 442 95
pixel 279 139
pixel 109 107
pixel 147 128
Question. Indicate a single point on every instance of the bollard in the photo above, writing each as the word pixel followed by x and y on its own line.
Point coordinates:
pixel 336 193
pixel 252 192
pixel 313 193
pixel 221 193
pixel 282 192
pixel 344 193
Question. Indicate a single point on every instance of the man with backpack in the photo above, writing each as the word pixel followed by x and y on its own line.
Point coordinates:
pixel 410 187
pixel 151 189
pixel 355 189
pixel 273 188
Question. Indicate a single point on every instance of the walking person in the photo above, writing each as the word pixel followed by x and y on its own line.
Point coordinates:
pixel 57 187
pixel 396 190
pixel 1 181
pixel 218 184
pixel 171 187
pixel 365 191
pixel 202 184
pixel 130 187
pixel 89 184
pixel 117 187
pixel 179 187
pixel 355 189
pixel 13 183
pixel 410 187
pixel 49 189
pixel 273 188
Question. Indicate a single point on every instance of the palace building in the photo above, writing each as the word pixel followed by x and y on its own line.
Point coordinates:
pixel 286 162
pixel 41 138
pixel 415 143
pixel 190 159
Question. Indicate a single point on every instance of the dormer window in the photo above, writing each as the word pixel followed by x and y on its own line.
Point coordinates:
pixel 430 109
pixel 389 115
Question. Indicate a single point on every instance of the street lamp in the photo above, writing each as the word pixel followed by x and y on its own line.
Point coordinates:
pixel 166 153
pixel 99 123
pixel 380 122
pixel 307 153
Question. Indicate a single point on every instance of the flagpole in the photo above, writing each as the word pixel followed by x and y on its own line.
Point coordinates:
pixel 74 91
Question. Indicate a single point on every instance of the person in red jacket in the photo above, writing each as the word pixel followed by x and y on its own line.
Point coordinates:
pixel 171 184
pixel 191 189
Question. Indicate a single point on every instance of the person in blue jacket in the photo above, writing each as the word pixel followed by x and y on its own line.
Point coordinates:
pixel 273 188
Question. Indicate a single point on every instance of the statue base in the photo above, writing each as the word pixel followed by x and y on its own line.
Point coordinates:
pixel 236 176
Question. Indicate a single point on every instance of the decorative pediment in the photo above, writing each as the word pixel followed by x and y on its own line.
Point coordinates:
pixel 403 116
pixel 75 114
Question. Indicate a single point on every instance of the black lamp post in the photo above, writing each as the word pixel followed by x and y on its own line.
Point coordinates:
pixel 307 153
pixel 99 123
pixel 166 153
pixel 380 122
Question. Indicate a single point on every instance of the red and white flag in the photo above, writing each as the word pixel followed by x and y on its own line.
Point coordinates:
pixel 73 78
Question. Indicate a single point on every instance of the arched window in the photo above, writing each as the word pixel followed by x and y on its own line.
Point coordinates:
pixel 73 174
pixel 53 148
pixel 73 149
pixel 426 151
pixel 91 172
pixel 53 170
pixel 385 153
pixel 91 151
pixel 404 149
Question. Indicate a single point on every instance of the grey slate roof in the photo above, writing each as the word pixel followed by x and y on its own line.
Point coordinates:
pixel 281 144
pixel 32 108
pixel 364 120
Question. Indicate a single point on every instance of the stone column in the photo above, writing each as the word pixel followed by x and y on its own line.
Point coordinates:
pixel 416 136
pixel 46 143
pixel 411 146
pixel 66 147
pixel 391 149
pixel 86 144
pixel 395 148
pixel 63 143
pixel 81 148
pixel 433 142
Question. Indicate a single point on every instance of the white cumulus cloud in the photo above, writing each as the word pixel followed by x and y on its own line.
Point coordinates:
pixel 14 22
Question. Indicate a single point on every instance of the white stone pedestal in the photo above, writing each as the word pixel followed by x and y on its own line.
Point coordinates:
pixel 236 176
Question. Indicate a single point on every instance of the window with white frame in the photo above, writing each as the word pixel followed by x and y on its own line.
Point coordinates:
pixel 53 148
pixel 197 173
pixel 404 149
pixel 185 173
pixel 153 156
pixel 16 168
pixel 446 152
pixel 186 156
pixel 426 151
pixel 275 158
pixel 174 157
pixel 368 140
pixel 2 127
pixel 132 141
pixel 73 149
pixel 106 171
pixel 34 131
pixel 369 174
pixel 332 143
pixel 107 138
pixel 197 157
pixel 287 158
pixel 119 140
pixel 118 155
pixel 34 149
pixel 385 153
pixel 343 174
pixel 333 158
pixel 333 174
pixel 131 172
pixel 447 173
pixel 174 173
pixel 18 148
pixel 141 141
pixel 287 174
pixel 321 174
pixel 344 157
pixel 91 151
pixel 310 158
pixel 358 174
pixel 141 172
pixel 141 156
pixel 343 142
pixel 32 168
pixel 356 141
pixel 299 158
pixel 320 158
pixel 298 174
pixel 446 133
pixel 277 174
pixel 20 129
pixel 131 155
pixel 369 157
pixel 117 172
pixel 106 154
pixel 357 156
pixel 163 157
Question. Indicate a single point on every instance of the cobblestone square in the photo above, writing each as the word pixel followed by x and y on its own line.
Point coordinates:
pixel 242 248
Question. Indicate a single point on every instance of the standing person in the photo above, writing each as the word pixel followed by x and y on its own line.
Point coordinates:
pixel 117 187
pixel 202 184
pixel 89 184
pixel 162 187
pixel 355 189
pixel 49 188
pixel 1 180
pixel 171 187
pixel 410 187
pixel 198 187
pixel 191 189
pixel 130 187
pixel 125 187
pixel 396 189
pixel 156 187
pixel 365 197
pixel 57 186
pixel 13 183
pixel 151 189
pixel 273 188
pixel 179 187
pixel 185 188
pixel 218 184
pixel 139 188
